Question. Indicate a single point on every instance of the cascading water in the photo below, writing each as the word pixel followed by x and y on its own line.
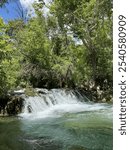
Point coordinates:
pixel 56 102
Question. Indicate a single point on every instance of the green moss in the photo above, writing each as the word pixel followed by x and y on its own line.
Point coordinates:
pixel 29 91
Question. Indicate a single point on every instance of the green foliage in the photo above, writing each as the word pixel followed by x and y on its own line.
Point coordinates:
pixel 4 49
pixel 70 46
pixel 91 22
pixel 9 60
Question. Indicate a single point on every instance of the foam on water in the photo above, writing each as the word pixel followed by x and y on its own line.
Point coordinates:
pixel 56 103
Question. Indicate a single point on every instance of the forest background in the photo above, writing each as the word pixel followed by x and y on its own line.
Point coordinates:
pixel 67 46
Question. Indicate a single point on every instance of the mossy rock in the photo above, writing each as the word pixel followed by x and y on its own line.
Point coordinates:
pixel 29 91
pixel 14 106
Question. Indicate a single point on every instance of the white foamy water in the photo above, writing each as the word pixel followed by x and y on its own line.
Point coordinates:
pixel 55 103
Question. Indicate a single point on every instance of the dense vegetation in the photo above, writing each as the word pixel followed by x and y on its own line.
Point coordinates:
pixel 69 46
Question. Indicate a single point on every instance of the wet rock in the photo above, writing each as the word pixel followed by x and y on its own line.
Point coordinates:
pixel 104 100
pixel 14 106
pixel 29 108
pixel 42 91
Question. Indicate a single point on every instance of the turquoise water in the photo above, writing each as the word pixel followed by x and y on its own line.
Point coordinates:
pixel 82 130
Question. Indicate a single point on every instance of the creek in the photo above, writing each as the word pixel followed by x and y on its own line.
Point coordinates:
pixel 58 120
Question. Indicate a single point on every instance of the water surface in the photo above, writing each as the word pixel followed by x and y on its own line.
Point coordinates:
pixel 64 124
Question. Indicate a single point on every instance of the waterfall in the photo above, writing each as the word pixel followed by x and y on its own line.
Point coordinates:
pixel 55 102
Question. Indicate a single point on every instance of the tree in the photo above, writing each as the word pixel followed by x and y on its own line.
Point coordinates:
pixel 70 46
pixel 91 22
pixel 5 50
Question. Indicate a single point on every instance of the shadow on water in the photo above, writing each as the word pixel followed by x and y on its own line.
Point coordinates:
pixel 11 135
